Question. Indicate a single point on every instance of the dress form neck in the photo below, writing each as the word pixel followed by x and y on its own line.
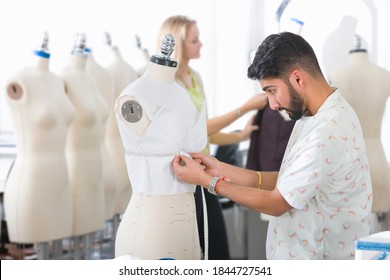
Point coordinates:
pixel 161 67
pixel 360 56
pixel 90 54
pixel 116 54
pixel 42 63
pixel 160 72
pixel 78 62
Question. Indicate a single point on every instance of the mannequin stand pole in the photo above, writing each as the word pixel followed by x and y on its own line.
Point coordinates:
pixel 77 247
pixel 111 237
pixel 57 249
pixel 43 251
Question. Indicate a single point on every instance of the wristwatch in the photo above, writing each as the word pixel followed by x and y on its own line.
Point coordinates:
pixel 212 185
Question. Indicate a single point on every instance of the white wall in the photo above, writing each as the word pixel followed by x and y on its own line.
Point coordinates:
pixel 237 33
pixel 22 23
pixel 230 30
pixel 339 19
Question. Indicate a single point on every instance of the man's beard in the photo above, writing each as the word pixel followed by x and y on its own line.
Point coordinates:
pixel 295 110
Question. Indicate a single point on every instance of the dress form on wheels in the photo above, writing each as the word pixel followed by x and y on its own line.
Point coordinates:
pixel 123 74
pixel 37 196
pixel 366 86
pixel 83 148
pixel 106 87
pixel 157 120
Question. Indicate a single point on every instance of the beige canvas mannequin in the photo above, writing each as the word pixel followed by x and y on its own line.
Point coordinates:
pixel 37 198
pixel 144 53
pixel 366 87
pixel 83 148
pixel 155 117
pixel 105 84
pixel 123 74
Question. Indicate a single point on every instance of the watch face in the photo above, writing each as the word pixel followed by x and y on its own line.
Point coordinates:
pixel 131 111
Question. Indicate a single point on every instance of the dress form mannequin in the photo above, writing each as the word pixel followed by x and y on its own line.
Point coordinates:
pixel 366 87
pixel 157 119
pixel 145 54
pixel 105 84
pixel 37 197
pixel 123 74
pixel 83 148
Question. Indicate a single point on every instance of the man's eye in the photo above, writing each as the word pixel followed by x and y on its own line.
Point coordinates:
pixel 271 91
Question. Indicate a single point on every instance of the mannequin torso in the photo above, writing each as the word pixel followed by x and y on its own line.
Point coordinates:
pixel 84 148
pixel 106 87
pixel 37 197
pixel 157 120
pixel 366 87
pixel 123 74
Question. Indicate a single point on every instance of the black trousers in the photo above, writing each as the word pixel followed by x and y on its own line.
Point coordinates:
pixel 217 235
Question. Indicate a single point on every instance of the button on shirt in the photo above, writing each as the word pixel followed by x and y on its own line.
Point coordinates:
pixel 325 178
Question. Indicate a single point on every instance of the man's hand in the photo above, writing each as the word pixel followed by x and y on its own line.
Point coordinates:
pixel 197 170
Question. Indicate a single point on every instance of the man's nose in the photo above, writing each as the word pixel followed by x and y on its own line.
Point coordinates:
pixel 273 104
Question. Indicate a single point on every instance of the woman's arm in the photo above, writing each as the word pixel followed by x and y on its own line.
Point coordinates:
pixel 221 138
pixel 256 102
pixel 216 124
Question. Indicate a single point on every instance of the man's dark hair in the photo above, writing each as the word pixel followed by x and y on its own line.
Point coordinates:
pixel 281 53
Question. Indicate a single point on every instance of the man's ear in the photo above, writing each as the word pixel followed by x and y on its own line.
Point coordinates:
pixel 296 77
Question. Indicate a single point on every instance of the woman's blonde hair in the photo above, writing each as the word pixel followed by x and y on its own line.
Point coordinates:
pixel 177 26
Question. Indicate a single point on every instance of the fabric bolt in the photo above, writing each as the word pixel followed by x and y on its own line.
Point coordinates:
pixel 325 177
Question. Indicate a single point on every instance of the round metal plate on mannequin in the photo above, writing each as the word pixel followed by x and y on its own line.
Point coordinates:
pixel 131 111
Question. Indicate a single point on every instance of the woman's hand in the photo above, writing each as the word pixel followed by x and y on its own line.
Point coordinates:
pixel 248 129
pixel 256 102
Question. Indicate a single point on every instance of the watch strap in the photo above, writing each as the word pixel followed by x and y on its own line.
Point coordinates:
pixel 212 185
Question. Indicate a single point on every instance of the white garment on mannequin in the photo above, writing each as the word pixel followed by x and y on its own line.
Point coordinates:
pixel 37 197
pixel 160 220
pixel 123 74
pixel 366 87
pixel 105 84
pixel 84 148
